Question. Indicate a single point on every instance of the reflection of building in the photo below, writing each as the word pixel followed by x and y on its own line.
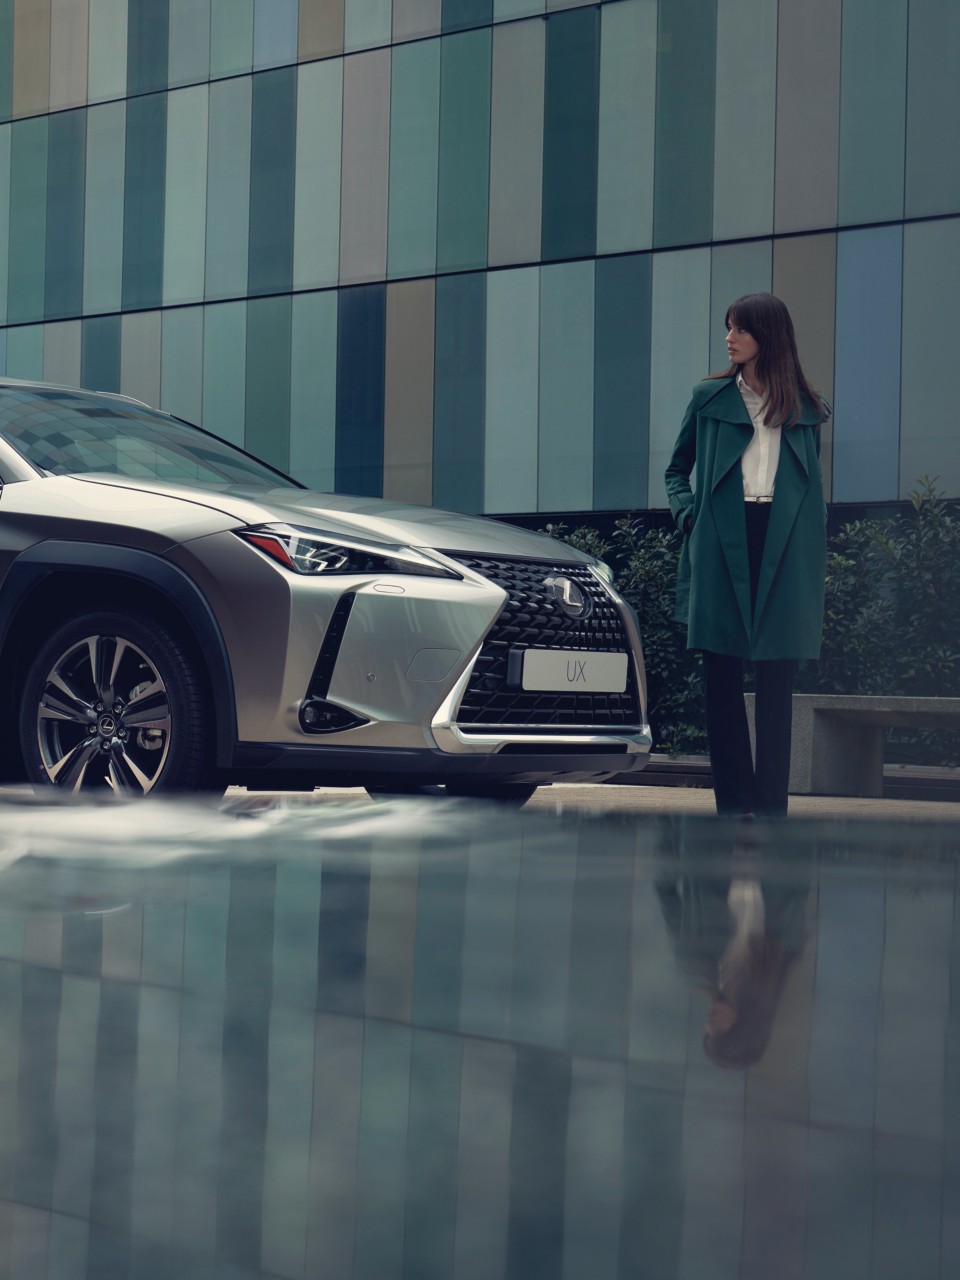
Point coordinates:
pixel 475 252
pixel 401 1060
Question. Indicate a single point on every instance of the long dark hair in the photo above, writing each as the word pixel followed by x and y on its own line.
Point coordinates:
pixel 768 322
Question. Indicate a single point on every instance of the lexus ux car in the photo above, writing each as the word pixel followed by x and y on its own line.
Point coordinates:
pixel 176 615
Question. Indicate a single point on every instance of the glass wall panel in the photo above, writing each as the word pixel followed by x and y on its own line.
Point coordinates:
pixel 414 143
pixel 679 351
pixel 313 390
pixel 66 164
pixel 464 170
pixel 28 219
pixel 408 392
pixel 140 345
pixel 366 23
pixel 458 392
pixel 5 131
pixel 808 112
pixel 100 353
pixel 627 113
pixel 143 201
pixel 686 57
pixel 267 432
pixel 321 28
pixel 103 215
pixel 181 363
pixel 275 32
pixel 185 213
pixel 570 134
pixel 413 18
pixel 228 189
pixel 148 32
pixel 565 469
pixel 506 9
pixel 316 224
pixel 458 15
pixel 512 391
pixel 231 37
pixel 933 106
pixel 516 143
pixel 273 146
pixel 69 25
pixel 3 350
pixel 25 352
pixel 735 269
pixel 107 50
pixel 224 363
pixel 31 57
pixel 61 353
pixel 744 126
pixel 929 443
pixel 6 59
pixel 866 417
pixel 366 158
pixel 621 405
pixel 189 42
pixel 361 336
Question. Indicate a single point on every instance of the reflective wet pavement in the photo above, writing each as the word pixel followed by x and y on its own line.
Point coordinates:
pixel 425 1039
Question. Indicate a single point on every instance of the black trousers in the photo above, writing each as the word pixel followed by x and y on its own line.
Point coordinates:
pixel 739 785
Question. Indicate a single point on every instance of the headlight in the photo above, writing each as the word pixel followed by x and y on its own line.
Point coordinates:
pixel 308 552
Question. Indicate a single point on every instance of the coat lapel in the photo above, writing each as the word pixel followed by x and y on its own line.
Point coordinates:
pixel 788 493
pixel 734 433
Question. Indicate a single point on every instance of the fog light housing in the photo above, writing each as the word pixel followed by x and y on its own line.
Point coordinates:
pixel 317 715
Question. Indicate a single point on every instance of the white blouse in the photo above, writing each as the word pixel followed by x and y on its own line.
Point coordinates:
pixel 759 460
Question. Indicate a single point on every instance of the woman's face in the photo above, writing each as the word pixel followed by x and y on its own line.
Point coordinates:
pixel 742 347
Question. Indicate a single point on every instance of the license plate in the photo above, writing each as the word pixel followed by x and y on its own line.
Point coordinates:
pixel 577 672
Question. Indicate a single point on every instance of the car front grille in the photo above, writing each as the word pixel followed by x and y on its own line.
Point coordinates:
pixel 532 619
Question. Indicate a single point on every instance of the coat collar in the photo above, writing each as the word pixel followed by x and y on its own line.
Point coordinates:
pixel 726 405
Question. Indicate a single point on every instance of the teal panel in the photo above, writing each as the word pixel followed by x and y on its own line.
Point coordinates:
pixel 361 351
pixel 316 219
pixel 181 363
pixel 6 58
pixel 505 9
pixel 627 111
pixel 464 168
pixel 745 125
pixel 366 23
pixel 103 218
pixel 512 391
pixel 224 364
pixel 933 109
pixel 686 82
pixel 571 115
pixel 228 189
pixel 275 24
pixel 5 132
pixel 3 350
pixel 143 201
pixel 621 402
pixel 185 214
pixel 66 166
pixel 273 143
pixel 459 15
pixel 735 269
pixel 231 37
pixel 189 42
pixel 28 216
pixel 873 96
pixel 267 432
pixel 516 143
pixel 148 30
pixel 458 396
pixel 414 159
pixel 25 352
pixel 100 354
pixel 565 471
pixel 313 390
pixel 107 50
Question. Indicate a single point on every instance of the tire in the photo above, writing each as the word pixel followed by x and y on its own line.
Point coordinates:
pixel 113 701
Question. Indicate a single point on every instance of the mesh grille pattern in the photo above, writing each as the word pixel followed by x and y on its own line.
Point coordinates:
pixel 532 619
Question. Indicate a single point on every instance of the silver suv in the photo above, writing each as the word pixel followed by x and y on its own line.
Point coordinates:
pixel 177 615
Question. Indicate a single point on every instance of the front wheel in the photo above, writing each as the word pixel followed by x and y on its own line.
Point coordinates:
pixel 114 701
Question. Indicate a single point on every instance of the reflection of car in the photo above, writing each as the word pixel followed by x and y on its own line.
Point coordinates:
pixel 175 614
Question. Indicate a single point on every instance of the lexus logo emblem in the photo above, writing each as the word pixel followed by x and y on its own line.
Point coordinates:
pixel 572 600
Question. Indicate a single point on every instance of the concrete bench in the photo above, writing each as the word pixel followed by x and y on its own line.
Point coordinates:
pixel 837 747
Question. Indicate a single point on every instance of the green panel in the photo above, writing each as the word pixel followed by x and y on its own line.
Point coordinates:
pixel 512 390
pixel 414 159
pixel 25 352
pixel 267 432
pixel 5 132
pixel 316 221
pixel 366 23
pixel 504 9
pixel 933 109
pixel 621 403
pixel 686 74
pixel 143 201
pixel 107 50
pixel 231 37
pixel 735 269
pixel 6 58
pixel 184 225
pixel 189 42
pixel 459 15
pixel 224 363
pixel 565 480
pixel 66 165
pixel 103 218
pixel 458 399
pixel 228 189
pixel 28 215
pixel 313 390
pixel 181 363
pixel 100 354
pixel 464 151
pixel 273 142
pixel 628 98
pixel 571 117
pixel 148 31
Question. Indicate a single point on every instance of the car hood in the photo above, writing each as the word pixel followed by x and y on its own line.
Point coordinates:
pixel 373 519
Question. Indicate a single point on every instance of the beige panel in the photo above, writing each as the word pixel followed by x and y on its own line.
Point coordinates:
pixel 31 57
pixel 365 165
pixel 516 142
pixel 321 28
pixel 415 18
pixel 69 21
pixel 408 407
pixel 140 356
pixel 61 353
pixel 805 277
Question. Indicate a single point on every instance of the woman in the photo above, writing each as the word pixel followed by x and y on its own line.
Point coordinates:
pixel 751 577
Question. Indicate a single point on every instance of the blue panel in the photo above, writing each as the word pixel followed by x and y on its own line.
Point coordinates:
pixel 66 165
pixel 459 405
pixel 275 25
pixel 361 348
pixel 621 413
pixel 571 123
pixel 458 15
pixel 148 36
pixel 273 157
pixel 866 425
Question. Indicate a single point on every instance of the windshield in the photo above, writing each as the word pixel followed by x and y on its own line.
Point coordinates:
pixel 69 433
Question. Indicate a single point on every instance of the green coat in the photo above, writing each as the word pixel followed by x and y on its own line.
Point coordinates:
pixel 713 581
